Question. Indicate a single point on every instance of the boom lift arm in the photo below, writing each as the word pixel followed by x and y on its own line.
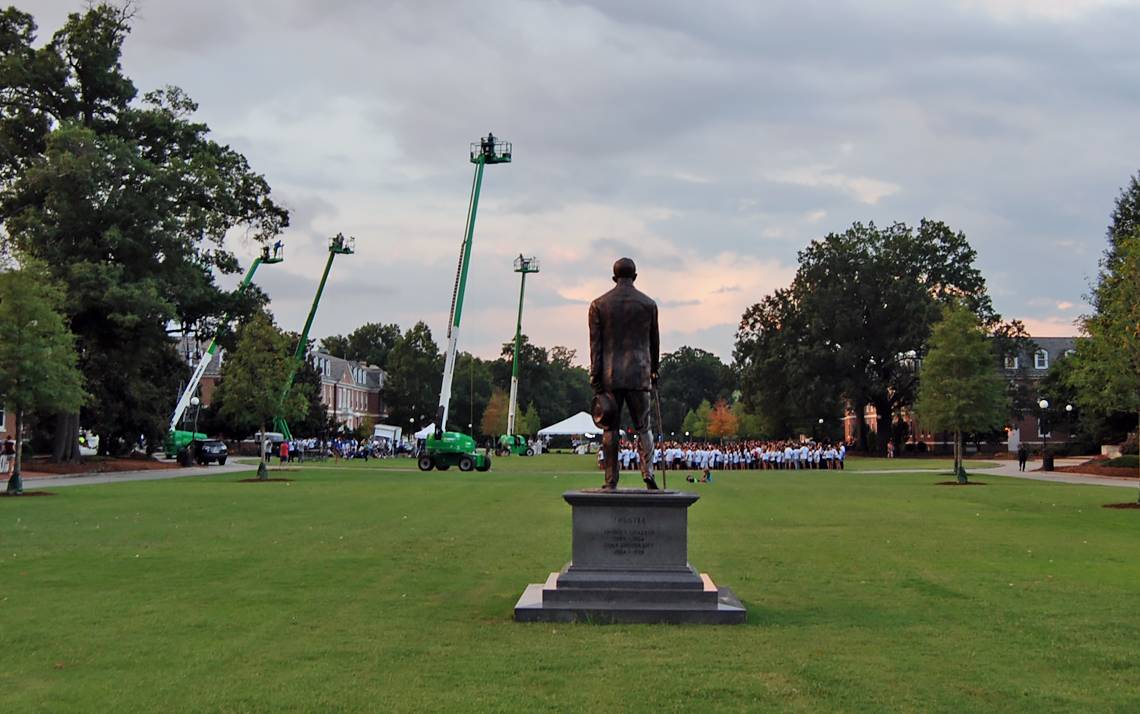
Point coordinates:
pixel 338 245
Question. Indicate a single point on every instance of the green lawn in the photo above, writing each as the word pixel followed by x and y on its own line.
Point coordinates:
pixel 361 588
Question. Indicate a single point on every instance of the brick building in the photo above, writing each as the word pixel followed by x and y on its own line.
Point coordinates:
pixel 1028 368
pixel 350 391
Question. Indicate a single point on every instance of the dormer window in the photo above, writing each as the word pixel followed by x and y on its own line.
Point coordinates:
pixel 1041 359
pixel 1012 362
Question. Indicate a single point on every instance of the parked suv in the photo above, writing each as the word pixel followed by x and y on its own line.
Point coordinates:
pixel 210 450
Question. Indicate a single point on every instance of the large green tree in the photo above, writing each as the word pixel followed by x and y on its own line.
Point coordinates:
pixel 547 378
pixel 688 376
pixel 370 343
pixel 414 373
pixel 854 323
pixel 128 201
pixel 960 390
pixel 1107 363
pixel 37 352
pixel 249 388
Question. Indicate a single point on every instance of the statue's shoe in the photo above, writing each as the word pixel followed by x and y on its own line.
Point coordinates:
pixel 651 485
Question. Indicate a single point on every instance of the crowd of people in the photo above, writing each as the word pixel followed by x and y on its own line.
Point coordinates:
pixel 747 455
pixel 338 448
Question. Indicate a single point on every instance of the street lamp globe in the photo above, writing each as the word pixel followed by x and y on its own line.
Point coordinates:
pixel 821 420
pixel 1044 403
pixel 195 401
pixel 1069 408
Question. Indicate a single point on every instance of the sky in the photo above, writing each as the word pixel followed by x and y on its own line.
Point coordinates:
pixel 707 141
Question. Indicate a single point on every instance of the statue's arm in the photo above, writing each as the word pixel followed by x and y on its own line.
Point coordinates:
pixel 596 362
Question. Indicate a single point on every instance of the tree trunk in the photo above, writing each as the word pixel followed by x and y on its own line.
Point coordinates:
pixel 262 470
pixel 860 425
pixel 882 425
pixel 65 448
pixel 959 472
pixel 1138 441
pixel 16 482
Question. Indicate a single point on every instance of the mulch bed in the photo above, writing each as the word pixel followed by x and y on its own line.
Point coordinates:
pixel 95 465
pixel 263 480
pixel 1091 467
pixel 955 483
pixel 1123 506
pixel 26 493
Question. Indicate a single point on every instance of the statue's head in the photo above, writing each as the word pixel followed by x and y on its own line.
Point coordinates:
pixel 624 268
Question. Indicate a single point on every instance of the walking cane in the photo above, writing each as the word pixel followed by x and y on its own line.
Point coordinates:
pixel 660 435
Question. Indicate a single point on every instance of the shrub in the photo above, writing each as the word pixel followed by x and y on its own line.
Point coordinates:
pixel 1126 462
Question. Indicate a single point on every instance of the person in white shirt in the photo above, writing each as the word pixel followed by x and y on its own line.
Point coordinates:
pixel 841 454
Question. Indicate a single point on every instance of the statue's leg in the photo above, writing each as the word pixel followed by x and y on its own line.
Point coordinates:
pixel 639 411
pixel 610 455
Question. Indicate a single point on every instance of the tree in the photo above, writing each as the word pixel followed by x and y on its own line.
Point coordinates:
pixel 470 390
pixel 688 376
pixel 749 426
pixel 370 343
pixel 546 377
pixel 853 325
pixel 128 202
pixel 252 378
pixel 529 422
pixel 1107 363
pixel 960 389
pixel 721 422
pixel 494 419
pixel 414 373
pixel 1125 218
pixel 37 353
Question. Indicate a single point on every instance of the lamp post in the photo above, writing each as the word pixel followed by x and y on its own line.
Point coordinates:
pixel 1042 424
pixel 197 404
pixel 819 429
pixel 1069 421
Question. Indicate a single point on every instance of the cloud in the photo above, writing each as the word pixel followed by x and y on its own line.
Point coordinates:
pixel 710 143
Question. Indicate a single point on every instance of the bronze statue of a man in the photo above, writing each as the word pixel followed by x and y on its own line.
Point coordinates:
pixel 625 353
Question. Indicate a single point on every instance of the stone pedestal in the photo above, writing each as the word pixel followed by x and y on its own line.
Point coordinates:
pixel 630 564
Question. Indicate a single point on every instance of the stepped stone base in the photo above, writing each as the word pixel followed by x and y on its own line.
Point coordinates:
pixel 630 565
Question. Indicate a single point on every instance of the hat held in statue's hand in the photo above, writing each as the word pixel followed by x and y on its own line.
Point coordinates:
pixel 604 409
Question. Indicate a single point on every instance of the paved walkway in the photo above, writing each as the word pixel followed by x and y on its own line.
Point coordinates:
pixel 1010 469
pixel 34 483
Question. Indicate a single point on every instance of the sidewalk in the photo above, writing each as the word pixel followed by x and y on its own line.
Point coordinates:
pixel 34 483
pixel 1010 469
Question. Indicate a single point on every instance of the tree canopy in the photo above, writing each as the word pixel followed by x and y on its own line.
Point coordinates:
pixel 37 352
pixel 960 391
pixel 854 323
pixel 128 201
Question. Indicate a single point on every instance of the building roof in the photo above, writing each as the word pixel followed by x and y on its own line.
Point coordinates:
pixel 335 369
pixel 1055 348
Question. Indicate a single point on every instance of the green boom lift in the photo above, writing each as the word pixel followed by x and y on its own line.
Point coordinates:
pixel 178 440
pixel 512 443
pixel 338 245
pixel 445 449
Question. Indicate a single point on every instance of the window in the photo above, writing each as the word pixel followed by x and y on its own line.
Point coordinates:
pixel 3 416
pixel 1070 353
pixel 1012 362
pixel 1041 359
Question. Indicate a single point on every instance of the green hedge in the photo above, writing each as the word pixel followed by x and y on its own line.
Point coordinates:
pixel 1127 462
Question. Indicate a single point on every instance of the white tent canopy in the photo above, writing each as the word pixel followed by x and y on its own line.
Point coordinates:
pixel 580 423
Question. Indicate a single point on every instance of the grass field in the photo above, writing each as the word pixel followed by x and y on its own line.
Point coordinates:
pixel 366 588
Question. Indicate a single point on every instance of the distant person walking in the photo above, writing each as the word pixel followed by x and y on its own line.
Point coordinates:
pixel 284 453
pixel 1022 457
